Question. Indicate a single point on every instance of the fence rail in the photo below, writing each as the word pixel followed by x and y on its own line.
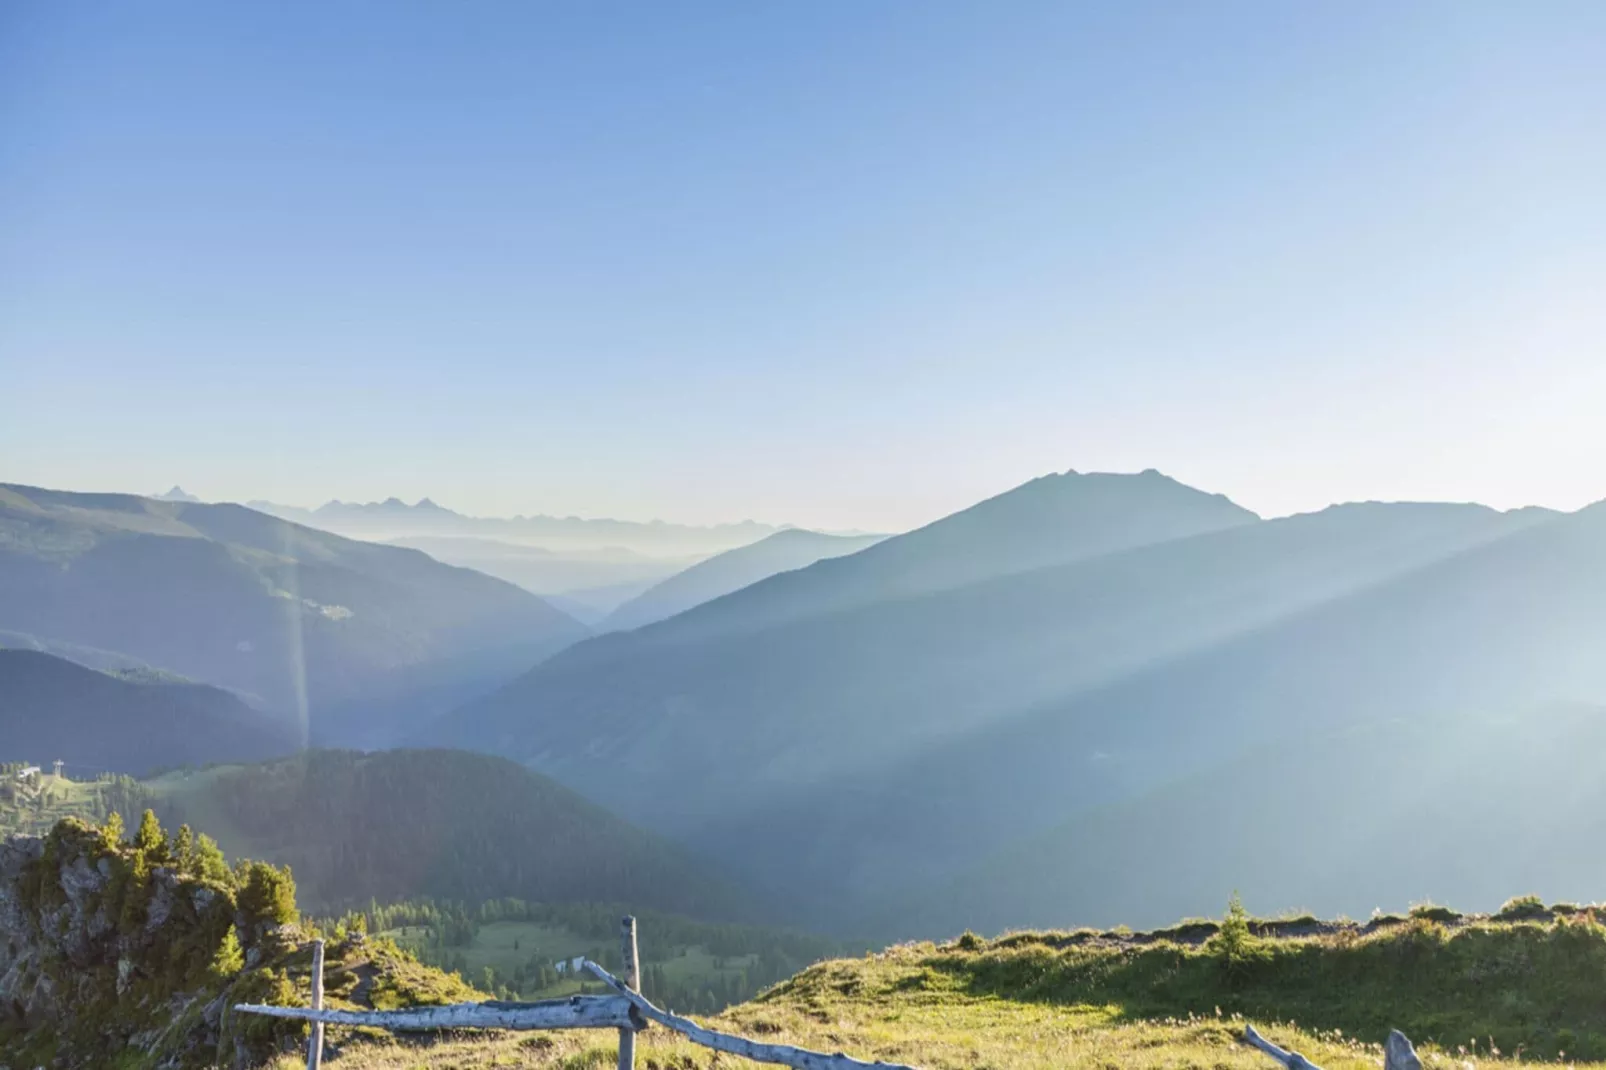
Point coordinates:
pixel 1398 1054
pixel 575 1012
pixel 628 1011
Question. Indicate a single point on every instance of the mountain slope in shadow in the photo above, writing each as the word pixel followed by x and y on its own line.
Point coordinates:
pixel 360 640
pixel 124 722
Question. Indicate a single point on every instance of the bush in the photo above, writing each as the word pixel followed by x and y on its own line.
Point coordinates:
pixel 1431 912
pixel 1521 907
pixel 267 896
pixel 1235 942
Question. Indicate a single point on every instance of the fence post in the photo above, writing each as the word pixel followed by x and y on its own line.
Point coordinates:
pixel 631 975
pixel 315 1040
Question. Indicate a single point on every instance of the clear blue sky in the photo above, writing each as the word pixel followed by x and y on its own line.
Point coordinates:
pixel 834 262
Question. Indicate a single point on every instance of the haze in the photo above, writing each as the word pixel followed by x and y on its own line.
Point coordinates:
pixel 1086 498
pixel 830 264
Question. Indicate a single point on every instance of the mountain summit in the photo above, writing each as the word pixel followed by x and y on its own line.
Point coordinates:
pixel 1052 520
pixel 836 659
pixel 177 494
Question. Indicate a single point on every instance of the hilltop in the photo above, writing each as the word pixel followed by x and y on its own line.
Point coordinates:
pixel 125 721
pixel 357 639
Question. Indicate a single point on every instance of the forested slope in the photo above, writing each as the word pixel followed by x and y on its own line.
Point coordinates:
pixel 443 824
pixel 125 722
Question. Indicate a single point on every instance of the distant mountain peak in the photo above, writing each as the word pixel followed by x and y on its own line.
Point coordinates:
pixel 177 494
pixel 392 505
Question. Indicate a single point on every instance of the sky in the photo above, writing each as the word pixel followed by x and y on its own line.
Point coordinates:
pixel 841 263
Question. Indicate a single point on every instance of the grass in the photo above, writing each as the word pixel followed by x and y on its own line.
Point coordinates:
pixel 1485 993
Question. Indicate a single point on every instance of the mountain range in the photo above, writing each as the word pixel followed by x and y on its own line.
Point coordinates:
pixel 1044 708
pixel 886 720
pixel 394 518
pixel 333 638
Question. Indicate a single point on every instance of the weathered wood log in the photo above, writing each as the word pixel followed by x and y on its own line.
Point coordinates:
pixel 785 1054
pixel 632 981
pixel 1398 1053
pixel 315 1038
pixel 575 1012
pixel 1291 1059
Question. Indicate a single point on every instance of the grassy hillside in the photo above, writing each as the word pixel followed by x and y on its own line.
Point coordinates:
pixel 444 824
pixel 1489 992
pixel 733 570
pixel 33 806
pixel 125 721
pixel 361 639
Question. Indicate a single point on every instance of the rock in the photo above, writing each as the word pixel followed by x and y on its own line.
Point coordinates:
pixel 1398 1053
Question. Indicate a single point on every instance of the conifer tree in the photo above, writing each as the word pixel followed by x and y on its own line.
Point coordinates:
pixel 229 960
pixel 209 861
pixel 184 850
pixel 151 842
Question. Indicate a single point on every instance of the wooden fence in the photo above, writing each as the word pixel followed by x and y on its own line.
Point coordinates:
pixel 628 1011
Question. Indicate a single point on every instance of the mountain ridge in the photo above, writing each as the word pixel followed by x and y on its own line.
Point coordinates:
pixel 816 730
pixel 1137 509
pixel 304 621
pixel 125 722
pixel 784 551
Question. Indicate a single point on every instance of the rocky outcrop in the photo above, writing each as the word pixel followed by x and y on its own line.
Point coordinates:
pixel 108 949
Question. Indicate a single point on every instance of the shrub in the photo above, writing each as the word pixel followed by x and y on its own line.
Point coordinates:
pixel 969 941
pixel 228 960
pixel 1520 907
pixel 1431 912
pixel 1235 943
pixel 267 896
